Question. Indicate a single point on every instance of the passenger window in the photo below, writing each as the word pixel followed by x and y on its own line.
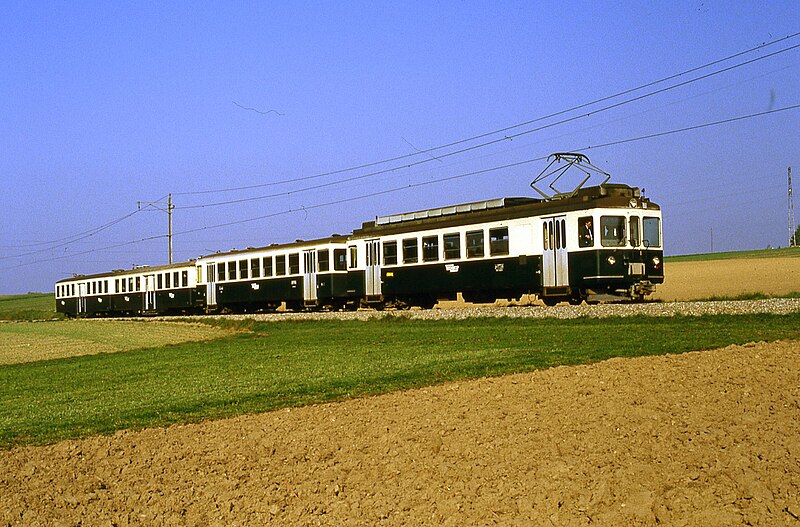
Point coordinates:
pixel 563 234
pixel 430 248
pixel 652 232
pixel 255 268
pixel 167 280
pixel 390 253
pixel 267 262
pixel 323 260
pixel 498 241
pixel 339 260
pixel 612 231
pixel 243 270
pixel 633 227
pixel 410 250
pixel 294 263
pixel 585 232
pixel 452 246
pixel 116 286
pixel 185 279
pixel 130 285
pixel 231 270
pixel 353 257
pixel 280 265
pixel 199 274
pixel 475 244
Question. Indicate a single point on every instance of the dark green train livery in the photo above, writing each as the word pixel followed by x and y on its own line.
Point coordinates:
pixel 601 243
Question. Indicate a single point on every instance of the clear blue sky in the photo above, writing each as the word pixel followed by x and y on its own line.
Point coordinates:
pixel 105 104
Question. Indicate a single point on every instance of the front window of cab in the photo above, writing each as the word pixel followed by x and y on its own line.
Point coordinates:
pixel 652 231
pixel 612 231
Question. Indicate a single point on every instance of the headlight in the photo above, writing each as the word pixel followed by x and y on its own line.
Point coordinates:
pixel 656 261
pixel 611 260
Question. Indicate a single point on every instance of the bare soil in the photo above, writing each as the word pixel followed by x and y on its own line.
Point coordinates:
pixel 705 438
pixel 729 278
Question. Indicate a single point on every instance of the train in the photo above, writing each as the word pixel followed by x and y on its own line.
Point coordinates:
pixel 595 244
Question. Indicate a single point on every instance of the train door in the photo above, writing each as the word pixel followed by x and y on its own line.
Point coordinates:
pixel 81 304
pixel 150 292
pixel 555 263
pixel 211 285
pixel 373 274
pixel 310 276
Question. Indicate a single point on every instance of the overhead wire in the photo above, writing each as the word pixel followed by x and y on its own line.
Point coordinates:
pixel 504 129
pixel 415 185
pixel 484 144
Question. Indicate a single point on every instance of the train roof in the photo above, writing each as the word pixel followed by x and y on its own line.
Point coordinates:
pixel 144 269
pixel 608 195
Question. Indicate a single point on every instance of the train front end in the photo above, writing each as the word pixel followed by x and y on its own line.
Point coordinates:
pixel 620 254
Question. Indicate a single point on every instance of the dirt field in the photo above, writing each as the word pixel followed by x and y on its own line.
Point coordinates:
pixel 700 280
pixel 708 438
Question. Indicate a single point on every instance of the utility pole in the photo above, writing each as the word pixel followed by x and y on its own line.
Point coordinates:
pixel 792 237
pixel 159 205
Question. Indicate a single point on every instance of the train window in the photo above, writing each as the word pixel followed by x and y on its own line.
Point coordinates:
pixel 390 253
pixel 633 227
pixel 563 234
pixel 452 246
pixel 323 260
pixel 498 241
pixel 255 268
pixel 475 244
pixel 116 286
pixel 167 280
pixel 339 260
pixel 231 270
pixel 124 285
pixel 221 272
pixel 175 280
pixel 267 262
pixel 353 256
pixel 545 236
pixel 130 285
pixel 139 284
pixel 94 288
pixel 430 248
pixel 280 265
pixel 199 274
pixel 612 231
pixel 410 250
pixel 72 289
pixel 294 263
pixel 185 279
pixel 243 270
pixel 652 232
pixel 585 232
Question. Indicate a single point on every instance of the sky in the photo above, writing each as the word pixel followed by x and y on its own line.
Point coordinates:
pixel 256 115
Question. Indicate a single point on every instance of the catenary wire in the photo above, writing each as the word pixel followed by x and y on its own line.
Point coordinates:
pixel 484 144
pixel 500 130
pixel 413 185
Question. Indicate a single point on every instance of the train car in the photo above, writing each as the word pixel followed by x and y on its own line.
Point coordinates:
pixel 599 243
pixel 301 275
pixel 169 289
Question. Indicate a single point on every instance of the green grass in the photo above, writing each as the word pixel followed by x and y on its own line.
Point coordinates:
pixel 748 296
pixel 284 364
pixel 786 252
pixel 33 306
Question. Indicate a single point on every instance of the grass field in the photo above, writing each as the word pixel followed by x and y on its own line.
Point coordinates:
pixel 786 252
pixel 33 306
pixel 35 341
pixel 265 366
